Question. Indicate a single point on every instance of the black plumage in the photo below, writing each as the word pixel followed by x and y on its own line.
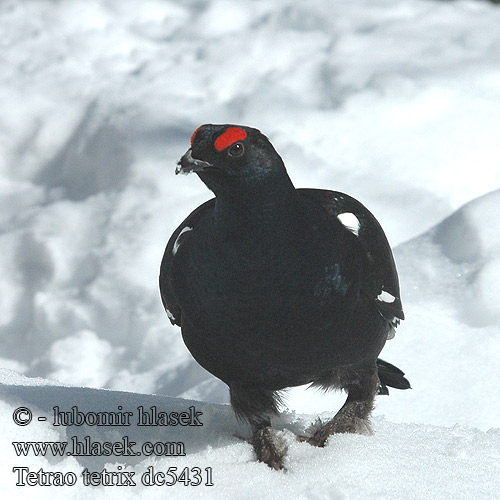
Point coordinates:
pixel 272 290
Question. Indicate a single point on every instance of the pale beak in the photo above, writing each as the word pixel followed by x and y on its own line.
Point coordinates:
pixel 188 164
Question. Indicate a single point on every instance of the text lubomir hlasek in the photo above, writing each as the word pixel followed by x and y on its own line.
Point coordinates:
pixel 145 417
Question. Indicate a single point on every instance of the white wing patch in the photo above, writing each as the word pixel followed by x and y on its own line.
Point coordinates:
pixel 171 317
pixel 350 221
pixel 177 242
pixel 386 297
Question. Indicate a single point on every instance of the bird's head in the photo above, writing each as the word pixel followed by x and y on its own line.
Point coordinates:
pixel 229 157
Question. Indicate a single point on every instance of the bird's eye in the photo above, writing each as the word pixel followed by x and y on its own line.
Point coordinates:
pixel 236 149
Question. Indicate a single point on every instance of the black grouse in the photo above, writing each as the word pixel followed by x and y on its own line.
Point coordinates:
pixel 275 287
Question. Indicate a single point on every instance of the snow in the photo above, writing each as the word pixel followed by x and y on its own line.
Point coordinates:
pixel 400 461
pixel 397 104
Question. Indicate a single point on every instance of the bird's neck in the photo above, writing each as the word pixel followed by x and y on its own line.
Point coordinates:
pixel 265 211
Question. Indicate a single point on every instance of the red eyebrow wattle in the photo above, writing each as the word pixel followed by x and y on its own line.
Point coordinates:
pixel 229 137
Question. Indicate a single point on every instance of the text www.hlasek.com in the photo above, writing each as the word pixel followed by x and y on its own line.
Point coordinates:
pixel 88 448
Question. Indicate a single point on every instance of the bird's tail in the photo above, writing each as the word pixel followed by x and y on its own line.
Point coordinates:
pixel 390 375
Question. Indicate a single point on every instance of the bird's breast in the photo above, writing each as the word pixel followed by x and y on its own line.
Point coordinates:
pixel 267 287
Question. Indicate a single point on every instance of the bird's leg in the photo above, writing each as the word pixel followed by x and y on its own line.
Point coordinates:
pixel 257 406
pixel 268 447
pixel 354 416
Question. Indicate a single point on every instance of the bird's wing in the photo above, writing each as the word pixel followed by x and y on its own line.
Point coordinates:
pixel 381 283
pixel 166 287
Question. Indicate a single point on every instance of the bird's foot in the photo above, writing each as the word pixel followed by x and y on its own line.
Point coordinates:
pixel 355 425
pixel 310 432
pixel 345 421
pixel 269 448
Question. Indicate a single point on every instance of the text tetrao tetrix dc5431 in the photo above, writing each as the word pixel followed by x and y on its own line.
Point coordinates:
pixel 275 287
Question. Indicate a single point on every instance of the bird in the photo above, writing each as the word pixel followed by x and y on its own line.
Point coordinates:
pixel 276 287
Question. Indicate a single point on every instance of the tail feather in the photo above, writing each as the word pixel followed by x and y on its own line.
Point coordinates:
pixel 392 376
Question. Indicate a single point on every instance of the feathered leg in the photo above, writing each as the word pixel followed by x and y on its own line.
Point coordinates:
pixel 257 406
pixel 354 415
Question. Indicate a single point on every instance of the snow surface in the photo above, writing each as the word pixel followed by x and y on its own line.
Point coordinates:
pixel 395 103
